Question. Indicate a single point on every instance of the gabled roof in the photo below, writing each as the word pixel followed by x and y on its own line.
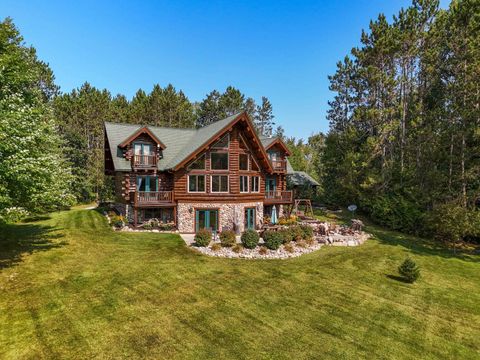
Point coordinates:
pixel 142 130
pixel 268 142
pixel 300 178
pixel 181 145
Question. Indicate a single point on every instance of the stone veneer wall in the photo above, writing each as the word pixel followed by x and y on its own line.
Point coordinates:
pixel 229 215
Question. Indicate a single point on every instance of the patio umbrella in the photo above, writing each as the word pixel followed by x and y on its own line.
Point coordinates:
pixel 274 215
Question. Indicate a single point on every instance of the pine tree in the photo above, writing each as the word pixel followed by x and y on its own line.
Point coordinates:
pixel 264 117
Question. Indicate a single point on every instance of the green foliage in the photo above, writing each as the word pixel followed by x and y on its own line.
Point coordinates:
pixel 307 232
pixel 409 270
pixel 227 238
pixel 34 176
pixel 250 239
pixel 402 129
pixel 452 222
pixel 216 247
pixel 203 237
pixel 273 239
pixel 117 221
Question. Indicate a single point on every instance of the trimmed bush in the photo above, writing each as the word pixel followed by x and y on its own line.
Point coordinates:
pixel 307 232
pixel 409 270
pixel 286 235
pixel 203 237
pixel 273 239
pixel 250 239
pixel 227 238
pixel 297 233
pixel 216 247
pixel 117 221
pixel 237 248
pixel 289 248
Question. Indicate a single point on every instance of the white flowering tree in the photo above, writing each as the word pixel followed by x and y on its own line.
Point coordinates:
pixel 34 176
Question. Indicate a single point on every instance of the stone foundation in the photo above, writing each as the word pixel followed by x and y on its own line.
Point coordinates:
pixel 231 216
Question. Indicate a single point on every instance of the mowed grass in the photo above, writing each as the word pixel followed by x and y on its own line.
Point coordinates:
pixel 72 288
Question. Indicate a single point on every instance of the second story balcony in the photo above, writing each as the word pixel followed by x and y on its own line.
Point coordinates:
pixel 279 197
pixel 153 198
pixel 144 161
pixel 279 165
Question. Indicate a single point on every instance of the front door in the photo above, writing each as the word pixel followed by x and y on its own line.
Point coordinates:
pixel 206 219
pixel 250 218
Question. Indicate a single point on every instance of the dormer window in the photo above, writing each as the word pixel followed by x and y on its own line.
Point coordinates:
pixel 144 154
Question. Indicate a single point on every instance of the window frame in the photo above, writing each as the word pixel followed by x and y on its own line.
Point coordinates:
pixel 248 162
pixel 252 188
pixel 241 183
pixel 189 167
pixel 196 183
pixel 156 182
pixel 220 192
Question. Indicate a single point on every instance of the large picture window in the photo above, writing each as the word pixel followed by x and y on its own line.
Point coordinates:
pixel 255 185
pixel 243 184
pixel 219 161
pixel 243 161
pixel 196 183
pixel 219 183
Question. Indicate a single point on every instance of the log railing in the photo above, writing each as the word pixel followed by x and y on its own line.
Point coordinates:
pixel 279 165
pixel 144 160
pixel 153 197
pixel 279 196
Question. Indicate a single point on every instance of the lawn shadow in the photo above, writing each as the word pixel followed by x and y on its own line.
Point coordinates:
pixel 17 240
pixel 420 246
pixel 397 278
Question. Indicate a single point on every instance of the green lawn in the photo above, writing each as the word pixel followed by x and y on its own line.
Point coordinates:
pixel 72 288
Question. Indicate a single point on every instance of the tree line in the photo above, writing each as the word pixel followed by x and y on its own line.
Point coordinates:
pixel 404 139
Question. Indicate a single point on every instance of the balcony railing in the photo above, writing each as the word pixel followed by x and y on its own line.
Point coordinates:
pixel 145 161
pixel 279 165
pixel 280 196
pixel 153 197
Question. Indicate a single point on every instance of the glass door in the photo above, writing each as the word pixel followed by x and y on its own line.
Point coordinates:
pixel 206 219
pixel 250 218
pixel 270 184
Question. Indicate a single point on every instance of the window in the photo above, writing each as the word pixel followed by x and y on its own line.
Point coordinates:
pixel 222 143
pixel 143 149
pixel 255 185
pixel 219 183
pixel 163 215
pixel 198 164
pixel 147 183
pixel 243 184
pixel 219 161
pixel 196 183
pixel 243 161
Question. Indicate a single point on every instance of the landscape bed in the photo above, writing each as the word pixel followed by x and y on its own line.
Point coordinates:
pixel 73 288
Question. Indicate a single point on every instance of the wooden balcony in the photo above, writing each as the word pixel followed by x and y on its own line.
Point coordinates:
pixel 153 198
pixel 279 165
pixel 144 161
pixel 278 197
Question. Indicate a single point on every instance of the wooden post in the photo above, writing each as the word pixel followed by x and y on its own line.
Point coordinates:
pixel 135 216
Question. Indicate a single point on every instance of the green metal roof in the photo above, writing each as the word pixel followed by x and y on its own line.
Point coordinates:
pixel 300 178
pixel 180 143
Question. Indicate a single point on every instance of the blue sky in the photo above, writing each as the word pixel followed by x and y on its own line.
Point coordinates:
pixel 280 49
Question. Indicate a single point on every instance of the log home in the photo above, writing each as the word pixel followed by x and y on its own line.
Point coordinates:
pixel 221 176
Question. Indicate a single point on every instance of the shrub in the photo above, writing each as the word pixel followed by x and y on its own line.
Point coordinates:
pixel 310 241
pixel 216 247
pixel 166 226
pixel 117 221
pixel 227 238
pixel 287 221
pixel 307 232
pixel 301 243
pixel 203 237
pixel 237 248
pixel 250 239
pixel 296 233
pixel 263 250
pixel 287 235
pixel 147 226
pixel 409 270
pixel 272 239
pixel 289 248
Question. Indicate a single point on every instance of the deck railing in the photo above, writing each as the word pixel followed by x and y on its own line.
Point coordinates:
pixel 144 160
pixel 153 197
pixel 279 165
pixel 279 196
